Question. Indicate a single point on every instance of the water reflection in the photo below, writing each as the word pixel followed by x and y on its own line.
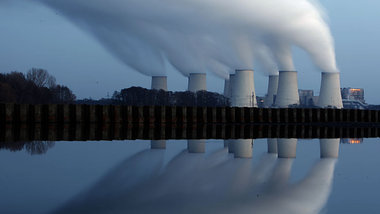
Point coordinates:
pixel 198 182
pixel 32 148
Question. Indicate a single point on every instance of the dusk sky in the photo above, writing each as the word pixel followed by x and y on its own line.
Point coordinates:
pixel 32 35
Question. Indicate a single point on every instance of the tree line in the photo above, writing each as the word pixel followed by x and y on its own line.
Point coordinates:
pixel 146 97
pixel 36 87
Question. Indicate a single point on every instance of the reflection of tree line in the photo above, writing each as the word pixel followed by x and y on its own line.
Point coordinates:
pixel 33 148
pixel 196 182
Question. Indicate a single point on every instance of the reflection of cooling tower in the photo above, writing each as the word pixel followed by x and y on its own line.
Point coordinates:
pixel 243 148
pixel 330 91
pixel 243 89
pixel 159 83
pixel 197 82
pixel 272 90
pixel 287 93
pixel 329 148
pixel 231 144
pixel 287 148
pixel 272 145
pixel 225 144
pixel 158 144
pixel 196 146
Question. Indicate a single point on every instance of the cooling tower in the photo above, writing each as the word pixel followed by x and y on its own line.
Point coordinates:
pixel 287 93
pixel 158 144
pixel 272 90
pixel 329 148
pixel 287 148
pixel 243 148
pixel 272 145
pixel 231 146
pixel 227 90
pixel 330 95
pixel 196 146
pixel 159 83
pixel 197 82
pixel 243 89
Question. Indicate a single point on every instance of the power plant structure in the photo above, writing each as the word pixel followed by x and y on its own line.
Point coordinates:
pixel 159 83
pixel 287 93
pixel 197 82
pixel 272 145
pixel 158 144
pixel 243 89
pixel 243 148
pixel 196 146
pixel 330 95
pixel 287 148
pixel 329 148
pixel 227 88
pixel 272 90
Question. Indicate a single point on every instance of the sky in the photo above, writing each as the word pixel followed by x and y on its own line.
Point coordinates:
pixel 35 36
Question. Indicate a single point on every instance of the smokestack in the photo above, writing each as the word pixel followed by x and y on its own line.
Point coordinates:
pixel 196 146
pixel 243 89
pixel 159 83
pixel 272 145
pixel 287 148
pixel 243 148
pixel 158 144
pixel 197 82
pixel 272 90
pixel 287 93
pixel 329 148
pixel 330 95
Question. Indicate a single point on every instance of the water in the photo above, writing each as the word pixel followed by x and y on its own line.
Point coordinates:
pixel 130 177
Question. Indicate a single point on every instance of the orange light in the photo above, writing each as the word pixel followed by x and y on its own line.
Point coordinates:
pixel 355 90
pixel 353 141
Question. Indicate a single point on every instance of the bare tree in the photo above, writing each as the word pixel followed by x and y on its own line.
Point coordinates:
pixel 41 78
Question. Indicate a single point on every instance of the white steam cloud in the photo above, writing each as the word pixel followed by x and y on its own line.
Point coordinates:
pixel 205 35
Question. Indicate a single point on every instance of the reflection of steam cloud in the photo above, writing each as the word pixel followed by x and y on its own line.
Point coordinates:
pixel 208 183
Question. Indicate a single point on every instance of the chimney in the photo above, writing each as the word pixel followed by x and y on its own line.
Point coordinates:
pixel 329 148
pixel 272 90
pixel 243 89
pixel 287 93
pixel 330 95
pixel 159 83
pixel 287 148
pixel 197 82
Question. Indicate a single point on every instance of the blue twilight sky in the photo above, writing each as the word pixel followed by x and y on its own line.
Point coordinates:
pixel 35 36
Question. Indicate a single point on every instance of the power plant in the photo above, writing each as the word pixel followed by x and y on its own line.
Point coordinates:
pixel 330 95
pixel 243 89
pixel 287 93
pixel 287 148
pixel 197 82
pixel 272 91
pixel 159 83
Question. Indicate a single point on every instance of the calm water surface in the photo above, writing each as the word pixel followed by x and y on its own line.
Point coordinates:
pixel 191 177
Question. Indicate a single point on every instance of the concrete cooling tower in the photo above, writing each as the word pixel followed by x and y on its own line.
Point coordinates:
pixel 196 146
pixel 227 90
pixel 330 95
pixel 243 148
pixel 158 144
pixel 287 148
pixel 197 82
pixel 243 89
pixel 159 83
pixel 272 90
pixel 329 148
pixel 272 145
pixel 287 93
